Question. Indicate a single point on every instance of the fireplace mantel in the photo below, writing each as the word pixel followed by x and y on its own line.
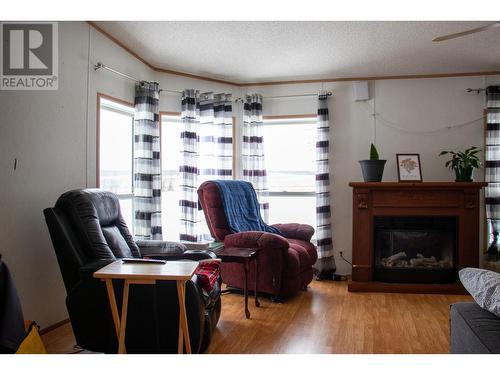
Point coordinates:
pixel 373 199
pixel 419 185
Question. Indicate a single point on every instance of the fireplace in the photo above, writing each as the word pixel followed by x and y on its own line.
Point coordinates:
pixel 415 249
pixel 413 237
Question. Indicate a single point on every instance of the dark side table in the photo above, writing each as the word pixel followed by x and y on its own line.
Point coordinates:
pixel 243 256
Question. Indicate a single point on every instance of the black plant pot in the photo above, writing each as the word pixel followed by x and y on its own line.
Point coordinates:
pixel 464 174
pixel 372 170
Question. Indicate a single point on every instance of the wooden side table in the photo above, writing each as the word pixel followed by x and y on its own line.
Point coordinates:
pixel 142 273
pixel 242 256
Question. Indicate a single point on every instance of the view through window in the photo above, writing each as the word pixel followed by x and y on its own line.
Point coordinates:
pixel 116 121
pixel 171 178
pixel 290 149
pixel 171 158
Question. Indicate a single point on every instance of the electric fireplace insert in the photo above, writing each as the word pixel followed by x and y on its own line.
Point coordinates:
pixel 415 249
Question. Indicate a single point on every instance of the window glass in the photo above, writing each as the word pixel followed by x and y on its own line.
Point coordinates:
pixel 289 146
pixel 115 153
pixel 170 161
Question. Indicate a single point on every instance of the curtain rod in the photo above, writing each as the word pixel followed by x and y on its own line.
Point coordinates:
pixel 328 93
pixel 475 90
pixel 100 65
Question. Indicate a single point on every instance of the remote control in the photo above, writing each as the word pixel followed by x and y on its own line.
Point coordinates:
pixel 144 261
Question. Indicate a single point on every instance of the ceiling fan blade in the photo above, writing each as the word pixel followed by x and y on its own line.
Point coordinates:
pixel 463 33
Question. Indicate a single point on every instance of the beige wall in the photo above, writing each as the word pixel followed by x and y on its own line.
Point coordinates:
pixel 46 132
pixel 52 134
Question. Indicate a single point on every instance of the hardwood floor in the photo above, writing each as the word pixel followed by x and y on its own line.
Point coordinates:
pixel 324 319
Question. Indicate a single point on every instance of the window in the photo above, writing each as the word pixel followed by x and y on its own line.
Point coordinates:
pixel 170 160
pixel 115 150
pixel 115 162
pixel 289 146
pixel 171 145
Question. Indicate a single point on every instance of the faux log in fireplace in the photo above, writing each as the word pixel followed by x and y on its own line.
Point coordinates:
pixel 413 237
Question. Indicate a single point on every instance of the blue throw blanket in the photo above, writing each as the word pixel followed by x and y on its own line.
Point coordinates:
pixel 241 207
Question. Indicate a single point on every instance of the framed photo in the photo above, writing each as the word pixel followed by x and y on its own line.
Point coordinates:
pixel 409 169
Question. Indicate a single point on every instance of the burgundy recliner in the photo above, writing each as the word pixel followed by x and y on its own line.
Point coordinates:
pixel 285 263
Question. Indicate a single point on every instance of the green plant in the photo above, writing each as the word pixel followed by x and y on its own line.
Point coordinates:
pixel 463 159
pixel 373 152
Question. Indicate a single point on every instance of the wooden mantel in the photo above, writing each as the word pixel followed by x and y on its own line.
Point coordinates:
pixel 419 185
pixel 371 199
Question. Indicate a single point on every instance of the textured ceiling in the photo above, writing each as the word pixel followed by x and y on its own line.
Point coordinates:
pixel 268 51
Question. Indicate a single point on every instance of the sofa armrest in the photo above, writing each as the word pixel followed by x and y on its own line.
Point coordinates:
pixel 196 255
pixel 294 230
pixel 256 240
pixel 150 248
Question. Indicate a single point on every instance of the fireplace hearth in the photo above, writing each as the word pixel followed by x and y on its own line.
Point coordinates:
pixel 414 237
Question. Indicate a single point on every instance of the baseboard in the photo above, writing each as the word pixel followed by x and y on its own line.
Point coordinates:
pixel 54 326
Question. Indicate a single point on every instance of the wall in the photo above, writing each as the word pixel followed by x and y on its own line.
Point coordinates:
pixel 412 104
pixel 52 134
pixel 46 132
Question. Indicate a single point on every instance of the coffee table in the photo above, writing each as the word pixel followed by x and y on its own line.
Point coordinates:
pixel 243 256
pixel 140 273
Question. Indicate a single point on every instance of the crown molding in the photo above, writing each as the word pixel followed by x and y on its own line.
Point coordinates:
pixel 189 75
pixel 371 78
pixel 286 82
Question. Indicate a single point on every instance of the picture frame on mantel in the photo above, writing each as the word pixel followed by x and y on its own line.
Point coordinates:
pixel 409 167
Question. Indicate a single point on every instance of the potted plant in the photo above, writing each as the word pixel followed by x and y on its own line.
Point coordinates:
pixel 372 169
pixel 463 163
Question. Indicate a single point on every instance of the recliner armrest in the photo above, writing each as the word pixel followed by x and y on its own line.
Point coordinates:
pixel 150 248
pixel 87 270
pixel 297 231
pixel 255 239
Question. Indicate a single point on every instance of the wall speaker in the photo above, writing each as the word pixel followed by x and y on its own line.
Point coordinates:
pixel 360 91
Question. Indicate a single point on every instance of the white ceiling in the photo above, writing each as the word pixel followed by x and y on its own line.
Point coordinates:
pixel 269 51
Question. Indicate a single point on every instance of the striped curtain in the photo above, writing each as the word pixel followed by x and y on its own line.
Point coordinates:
pixel 254 170
pixel 216 137
pixel 325 266
pixel 492 168
pixel 147 169
pixel 207 154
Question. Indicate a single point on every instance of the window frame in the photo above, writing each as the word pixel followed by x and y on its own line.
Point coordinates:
pixel 307 116
pixel 122 102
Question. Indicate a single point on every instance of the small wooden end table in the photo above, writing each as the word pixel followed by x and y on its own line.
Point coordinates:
pixel 142 273
pixel 242 256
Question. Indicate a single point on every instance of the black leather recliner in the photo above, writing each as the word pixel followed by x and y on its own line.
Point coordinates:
pixel 88 232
